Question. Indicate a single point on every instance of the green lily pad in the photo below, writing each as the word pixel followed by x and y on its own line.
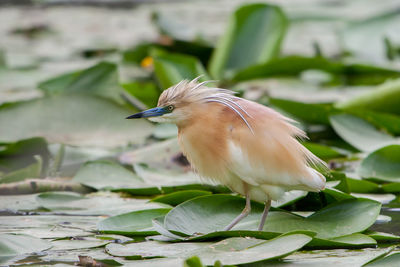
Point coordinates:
pixel 16 155
pixel 391 187
pixel 265 25
pixel 231 251
pixel 359 133
pixel 356 240
pixel 12 245
pixel 171 68
pixel 136 223
pixel 382 164
pixel 32 171
pixel 323 151
pixel 103 174
pixel 308 112
pixel 209 214
pixel 145 92
pixel 385 98
pixel 388 261
pixel 72 119
pixel 383 237
pixel 176 198
pixel 157 155
pixel 101 80
pixel 100 204
pixel 294 65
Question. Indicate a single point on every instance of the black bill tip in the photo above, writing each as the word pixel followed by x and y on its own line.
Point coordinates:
pixel 135 116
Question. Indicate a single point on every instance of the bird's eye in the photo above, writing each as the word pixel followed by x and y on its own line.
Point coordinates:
pixel 170 108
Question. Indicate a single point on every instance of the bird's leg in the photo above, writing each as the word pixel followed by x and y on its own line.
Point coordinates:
pixel 264 215
pixel 244 213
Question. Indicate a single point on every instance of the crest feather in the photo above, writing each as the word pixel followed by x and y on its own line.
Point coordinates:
pixel 196 92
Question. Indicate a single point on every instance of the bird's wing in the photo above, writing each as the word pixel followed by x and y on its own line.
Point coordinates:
pixel 271 154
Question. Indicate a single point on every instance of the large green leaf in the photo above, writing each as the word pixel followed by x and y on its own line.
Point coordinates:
pixel 101 80
pixel 350 241
pixel 31 171
pixel 365 38
pixel 232 251
pixel 359 133
pixel 311 113
pixel 254 36
pixel 171 68
pixel 106 175
pixel 145 92
pixel 20 154
pixel 176 198
pixel 294 65
pixel 95 204
pixel 72 119
pixel 388 261
pixel 136 223
pixel 385 98
pixel 12 245
pixel 323 151
pixel 212 213
pixel 382 164
pixel 385 121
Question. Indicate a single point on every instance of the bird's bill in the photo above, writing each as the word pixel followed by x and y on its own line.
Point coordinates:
pixel 153 112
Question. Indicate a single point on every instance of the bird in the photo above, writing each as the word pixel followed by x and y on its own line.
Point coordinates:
pixel 248 147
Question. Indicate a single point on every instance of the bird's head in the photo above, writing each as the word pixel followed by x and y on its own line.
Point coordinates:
pixel 184 100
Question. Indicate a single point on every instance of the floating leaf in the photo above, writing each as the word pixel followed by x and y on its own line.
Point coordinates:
pixel 72 119
pixel 311 113
pixel 365 38
pixel 388 261
pixel 171 68
pixel 360 133
pixel 176 198
pixel 294 65
pixel 265 25
pixel 205 215
pixel 347 241
pixel 95 204
pixel 103 174
pixel 32 171
pixel 101 80
pixel 385 98
pixel 136 223
pixel 12 245
pixel 382 164
pixel 145 92
pixel 231 251
pixel 323 151
pixel 20 154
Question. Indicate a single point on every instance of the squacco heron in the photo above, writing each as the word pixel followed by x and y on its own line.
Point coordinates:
pixel 246 146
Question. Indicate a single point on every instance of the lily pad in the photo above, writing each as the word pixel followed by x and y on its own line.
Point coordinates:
pixel 230 251
pixel 103 174
pixel 308 112
pixel 382 164
pixel 265 25
pixel 136 223
pixel 12 245
pixel 359 133
pixel 388 261
pixel 356 240
pixel 94 204
pixel 385 98
pixel 176 198
pixel 171 68
pixel 206 215
pixel 20 154
pixel 101 80
pixel 72 119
